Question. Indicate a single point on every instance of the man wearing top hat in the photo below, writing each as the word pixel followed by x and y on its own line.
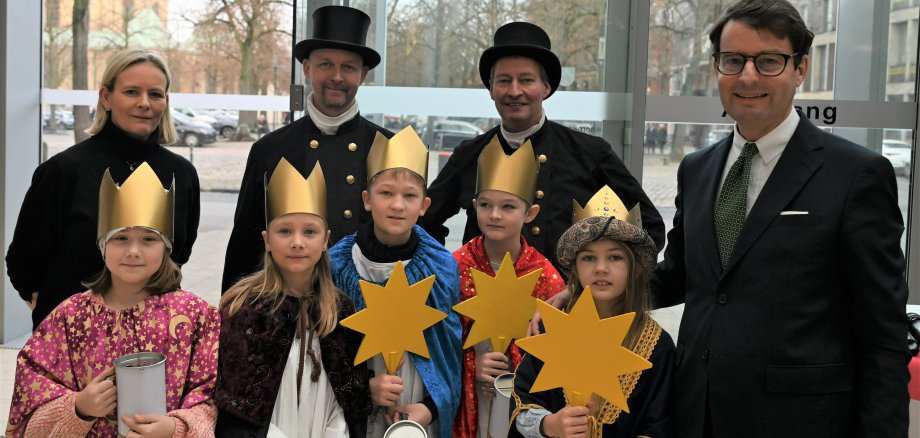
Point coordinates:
pixel 521 71
pixel 335 61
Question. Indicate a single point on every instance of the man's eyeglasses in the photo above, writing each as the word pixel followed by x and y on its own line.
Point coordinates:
pixel 767 64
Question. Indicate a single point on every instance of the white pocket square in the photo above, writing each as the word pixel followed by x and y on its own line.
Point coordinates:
pixel 793 213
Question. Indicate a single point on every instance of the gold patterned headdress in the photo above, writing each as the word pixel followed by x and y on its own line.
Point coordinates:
pixel 404 150
pixel 288 192
pixel 141 201
pixel 515 173
pixel 606 203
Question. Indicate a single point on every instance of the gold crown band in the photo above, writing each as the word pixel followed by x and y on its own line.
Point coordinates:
pixel 289 192
pixel 515 173
pixel 406 149
pixel 141 201
pixel 606 203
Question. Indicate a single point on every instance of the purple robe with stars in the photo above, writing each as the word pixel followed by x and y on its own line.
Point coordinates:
pixel 82 337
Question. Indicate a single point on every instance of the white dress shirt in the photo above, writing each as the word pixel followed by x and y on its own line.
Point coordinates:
pixel 770 147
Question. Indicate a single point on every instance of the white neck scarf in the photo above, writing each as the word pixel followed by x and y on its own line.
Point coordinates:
pixel 516 139
pixel 329 125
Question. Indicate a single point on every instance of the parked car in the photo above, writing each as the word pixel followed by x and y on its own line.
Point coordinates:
pixel 225 123
pixel 192 132
pixel 898 152
pixel 447 134
pixel 64 118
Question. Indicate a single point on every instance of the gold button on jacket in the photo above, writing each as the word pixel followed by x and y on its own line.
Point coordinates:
pixel 314 144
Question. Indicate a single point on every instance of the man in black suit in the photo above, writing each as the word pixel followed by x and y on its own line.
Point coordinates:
pixel 786 251
pixel 521 71
pixel 333 132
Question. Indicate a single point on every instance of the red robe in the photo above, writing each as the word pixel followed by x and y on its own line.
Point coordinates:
pixel 473 255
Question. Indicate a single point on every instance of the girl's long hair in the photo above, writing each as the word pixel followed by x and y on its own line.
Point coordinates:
pixel 635 297
pixel 268 283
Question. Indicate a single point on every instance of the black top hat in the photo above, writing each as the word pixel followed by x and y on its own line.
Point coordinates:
pixel 339 27
pixel 521 39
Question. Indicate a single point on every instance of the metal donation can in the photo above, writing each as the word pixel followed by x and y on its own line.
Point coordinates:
pixel 140 380
pixel 501 406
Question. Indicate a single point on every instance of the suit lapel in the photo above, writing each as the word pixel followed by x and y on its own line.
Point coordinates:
pixel 712 175
pixel 795 167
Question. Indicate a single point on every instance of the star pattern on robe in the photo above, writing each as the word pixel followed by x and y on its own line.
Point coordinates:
pixel 394 319
pixel 502 307
pixel 582 353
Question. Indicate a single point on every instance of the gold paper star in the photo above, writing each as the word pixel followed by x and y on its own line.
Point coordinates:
pixel 502 307
pixel 394 319
pixel 582 353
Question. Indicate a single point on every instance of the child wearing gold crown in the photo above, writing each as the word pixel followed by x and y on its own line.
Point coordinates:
pixel 607 250
pixel 427 390
pixel 286 364
pixel 64 385
pixel 504 202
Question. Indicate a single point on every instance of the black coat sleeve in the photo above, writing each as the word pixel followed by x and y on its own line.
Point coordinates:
pixel 190 211
pixel 874 266
pixel 245 247
pixel 39 229
pixel 445 196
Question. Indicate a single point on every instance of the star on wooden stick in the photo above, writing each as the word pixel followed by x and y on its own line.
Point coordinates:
pixel 502 307
pixel 395 318
pixel 582 353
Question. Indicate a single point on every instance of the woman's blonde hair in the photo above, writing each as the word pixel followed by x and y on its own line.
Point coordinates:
pixel 267 283
pixel 119 63
pixel 164 280
pixel 635 297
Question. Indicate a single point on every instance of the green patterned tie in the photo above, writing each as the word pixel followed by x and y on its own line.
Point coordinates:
pixel 731 208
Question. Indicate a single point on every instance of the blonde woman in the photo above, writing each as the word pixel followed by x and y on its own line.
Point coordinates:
pixel 54 246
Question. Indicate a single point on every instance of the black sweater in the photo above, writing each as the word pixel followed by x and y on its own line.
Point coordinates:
pixel 54 245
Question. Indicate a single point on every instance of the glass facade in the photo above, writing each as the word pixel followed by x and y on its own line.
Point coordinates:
pixel 637 73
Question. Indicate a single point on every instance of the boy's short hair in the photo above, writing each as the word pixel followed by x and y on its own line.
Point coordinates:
pixel 395 173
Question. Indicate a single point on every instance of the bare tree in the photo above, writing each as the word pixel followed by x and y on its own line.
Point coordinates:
pixel 56 56
pixel 131 26
pixel 249 24
pixel 679 60
pixel 80 26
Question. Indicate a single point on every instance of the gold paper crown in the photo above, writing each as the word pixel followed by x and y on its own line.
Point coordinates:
pixel 515 173
pixel 288 192
pixel 141 201
pixel 405 150
pixel 606 203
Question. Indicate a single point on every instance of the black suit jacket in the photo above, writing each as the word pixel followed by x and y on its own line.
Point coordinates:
pixel 802 333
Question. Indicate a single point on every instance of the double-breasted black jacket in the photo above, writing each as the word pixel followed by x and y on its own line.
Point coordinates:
pixel 573 165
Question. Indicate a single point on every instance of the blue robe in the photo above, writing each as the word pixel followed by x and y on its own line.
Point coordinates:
pixel 441 373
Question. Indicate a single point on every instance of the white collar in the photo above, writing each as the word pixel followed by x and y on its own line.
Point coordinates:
pixel 774 142
pixel 329 125
pixel 516 139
